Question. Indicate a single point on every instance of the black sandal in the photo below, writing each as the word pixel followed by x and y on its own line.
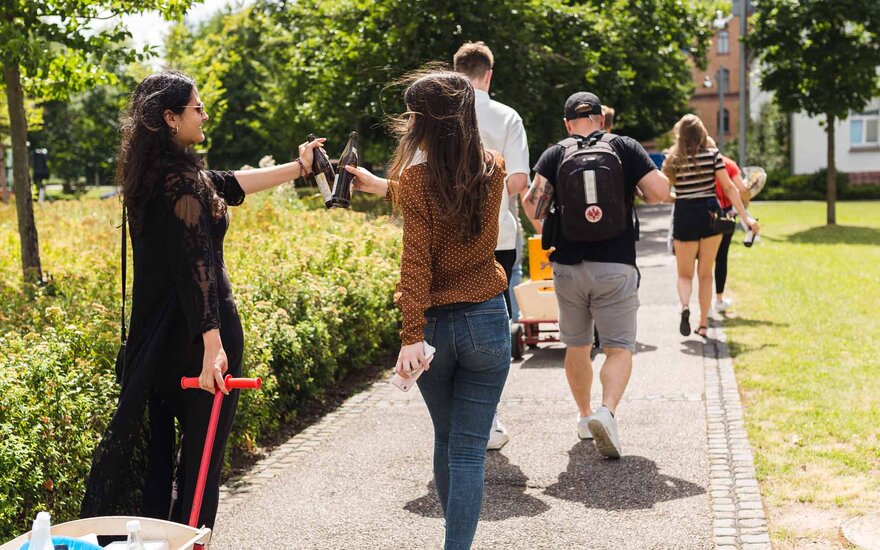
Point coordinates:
pixel 705 333
pixel 685 326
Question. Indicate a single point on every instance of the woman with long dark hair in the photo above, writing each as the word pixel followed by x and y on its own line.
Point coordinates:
pixel 692 168
pixel 183 321
pixel 448 189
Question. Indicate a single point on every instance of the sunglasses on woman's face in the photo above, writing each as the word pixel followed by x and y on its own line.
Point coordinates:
pixel 200 108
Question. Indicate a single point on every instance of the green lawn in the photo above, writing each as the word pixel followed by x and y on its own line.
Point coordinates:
pixel 805 335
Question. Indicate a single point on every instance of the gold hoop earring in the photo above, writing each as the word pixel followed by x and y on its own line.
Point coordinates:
pixel 174 131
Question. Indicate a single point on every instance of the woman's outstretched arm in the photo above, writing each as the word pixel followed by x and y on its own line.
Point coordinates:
pixel 260 179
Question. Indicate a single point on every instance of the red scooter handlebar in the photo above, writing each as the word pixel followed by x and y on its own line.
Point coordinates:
pixel 231 383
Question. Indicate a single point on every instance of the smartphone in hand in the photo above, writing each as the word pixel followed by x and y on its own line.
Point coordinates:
pixel 405 384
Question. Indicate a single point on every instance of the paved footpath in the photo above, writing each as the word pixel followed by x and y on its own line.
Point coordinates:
pixel 361 478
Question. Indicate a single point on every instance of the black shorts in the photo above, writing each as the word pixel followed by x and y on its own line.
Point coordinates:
pixel 692 219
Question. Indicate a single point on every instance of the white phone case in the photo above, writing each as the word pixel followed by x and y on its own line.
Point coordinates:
pixel 405 384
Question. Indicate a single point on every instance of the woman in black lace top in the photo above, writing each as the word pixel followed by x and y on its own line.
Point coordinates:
pixel 183 321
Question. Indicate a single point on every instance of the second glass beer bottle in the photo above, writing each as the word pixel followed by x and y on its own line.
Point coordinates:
pixel 342 190
pixel 322 173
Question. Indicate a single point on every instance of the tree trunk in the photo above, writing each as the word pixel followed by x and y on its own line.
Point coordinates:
pixel 4 191
pixel 831 182
pixel 24 205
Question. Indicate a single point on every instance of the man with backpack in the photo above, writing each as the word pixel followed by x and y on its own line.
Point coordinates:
pixel 592 177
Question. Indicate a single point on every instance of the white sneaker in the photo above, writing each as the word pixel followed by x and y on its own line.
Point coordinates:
pixel 584 428
pixel 498 436
pixel 722 305
pixel 603 425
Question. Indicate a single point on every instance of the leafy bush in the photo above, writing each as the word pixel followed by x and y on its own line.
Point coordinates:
pixel 314 293
pixel 783 186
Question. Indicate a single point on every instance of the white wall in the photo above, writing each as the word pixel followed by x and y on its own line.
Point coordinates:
pixel 809 148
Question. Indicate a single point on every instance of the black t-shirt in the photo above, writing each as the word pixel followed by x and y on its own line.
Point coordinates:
pixel 622 248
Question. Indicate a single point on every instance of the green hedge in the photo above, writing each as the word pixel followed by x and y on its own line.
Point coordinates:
pixel 314 292
pixel 783 186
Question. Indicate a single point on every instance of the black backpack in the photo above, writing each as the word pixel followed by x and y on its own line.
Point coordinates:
pixel 591 195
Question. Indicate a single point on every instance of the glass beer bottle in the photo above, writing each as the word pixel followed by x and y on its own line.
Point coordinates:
pixel 322 173
pixel 342 190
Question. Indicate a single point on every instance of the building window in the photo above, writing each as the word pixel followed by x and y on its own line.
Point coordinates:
pixel 723 42
pixel 724 122
pixel 864 126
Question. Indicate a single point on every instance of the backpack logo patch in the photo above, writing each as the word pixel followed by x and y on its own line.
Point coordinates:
pixel 593 214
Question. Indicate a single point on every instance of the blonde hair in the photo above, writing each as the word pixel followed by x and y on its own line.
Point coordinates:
pixel 691 137
pixel 608 113
pixel 473 59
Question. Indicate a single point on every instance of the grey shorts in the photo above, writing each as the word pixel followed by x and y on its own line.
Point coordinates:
pixel 600 292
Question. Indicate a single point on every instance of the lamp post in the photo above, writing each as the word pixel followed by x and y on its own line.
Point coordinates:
pixel 721 79
pixel 740 9
pixel 743 79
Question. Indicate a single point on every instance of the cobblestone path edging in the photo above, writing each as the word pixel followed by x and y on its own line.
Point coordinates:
pixel 737 510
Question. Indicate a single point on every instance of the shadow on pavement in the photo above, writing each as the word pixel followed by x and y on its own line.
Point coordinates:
pixel 545 358
pixel 694 345
pixel 504 496
pixel 644 348
pixel 631 483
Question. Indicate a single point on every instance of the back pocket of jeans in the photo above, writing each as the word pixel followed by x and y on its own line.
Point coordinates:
pixel 430 327
pixel 490 331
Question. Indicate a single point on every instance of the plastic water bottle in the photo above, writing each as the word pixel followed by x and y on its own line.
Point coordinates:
pixel 751 238
pixel 134 541
pixel 41 533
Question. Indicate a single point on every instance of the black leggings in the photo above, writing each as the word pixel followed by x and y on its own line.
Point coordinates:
pixel 721 263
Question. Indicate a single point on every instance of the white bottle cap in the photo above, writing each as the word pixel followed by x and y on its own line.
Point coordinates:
pixel 43 518
pixel 133 525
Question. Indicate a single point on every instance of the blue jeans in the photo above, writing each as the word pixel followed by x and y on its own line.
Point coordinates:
pixel 461 390
pixel 516 277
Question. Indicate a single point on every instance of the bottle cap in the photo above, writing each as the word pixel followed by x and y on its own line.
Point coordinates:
pixel 133 525
pixel 43 518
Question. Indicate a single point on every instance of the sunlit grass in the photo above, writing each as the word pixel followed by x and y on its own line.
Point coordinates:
pixel 805 332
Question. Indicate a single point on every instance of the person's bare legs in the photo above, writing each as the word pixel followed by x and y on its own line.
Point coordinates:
pixel 579 372
pixel 708 249
pixel 614 376
pixel 685 256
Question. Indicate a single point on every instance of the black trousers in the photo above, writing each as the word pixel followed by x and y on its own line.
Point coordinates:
pixel 164 497
pixel 507 258
pixel 721 263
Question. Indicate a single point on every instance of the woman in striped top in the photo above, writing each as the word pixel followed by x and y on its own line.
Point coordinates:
pixel 692 167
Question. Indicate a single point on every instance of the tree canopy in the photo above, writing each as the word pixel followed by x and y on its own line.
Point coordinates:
pixel 820 57
pixel 273 72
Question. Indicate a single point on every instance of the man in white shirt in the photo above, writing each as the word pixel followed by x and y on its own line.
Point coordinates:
pixel 501 129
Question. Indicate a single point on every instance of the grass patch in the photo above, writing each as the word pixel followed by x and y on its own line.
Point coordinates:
pixel 805 334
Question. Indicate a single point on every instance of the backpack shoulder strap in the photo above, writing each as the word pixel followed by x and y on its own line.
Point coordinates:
pixel 570 141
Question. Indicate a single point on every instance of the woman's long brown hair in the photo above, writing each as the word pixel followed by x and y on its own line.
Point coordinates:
pixel 442 121
pixel 691 137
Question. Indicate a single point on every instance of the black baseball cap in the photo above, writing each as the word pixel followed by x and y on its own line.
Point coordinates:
pixel 582 104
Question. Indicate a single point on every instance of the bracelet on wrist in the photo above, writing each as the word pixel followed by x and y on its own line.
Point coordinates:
pixel 302 167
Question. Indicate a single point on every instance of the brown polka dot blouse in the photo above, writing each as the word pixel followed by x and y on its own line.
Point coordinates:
pixel 438 267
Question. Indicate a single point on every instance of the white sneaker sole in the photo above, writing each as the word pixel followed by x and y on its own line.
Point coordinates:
pixel 584 436
pixel 498 442
pixel 602 439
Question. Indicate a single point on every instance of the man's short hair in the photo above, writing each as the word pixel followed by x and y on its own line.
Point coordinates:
pixel 473 59
pixel 608 112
